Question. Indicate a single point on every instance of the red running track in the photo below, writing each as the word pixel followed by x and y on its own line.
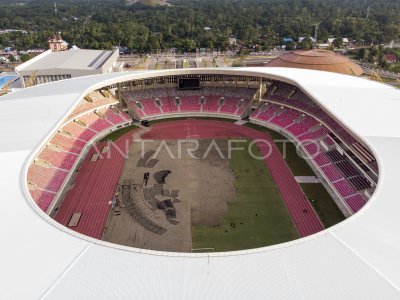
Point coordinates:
pixel 292 195
pixel 94 188
pixel 96 181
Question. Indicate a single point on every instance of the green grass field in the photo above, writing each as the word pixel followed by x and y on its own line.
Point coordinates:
pixel 255 194
pixel 322 202
pixel 272 225
pixel 118 133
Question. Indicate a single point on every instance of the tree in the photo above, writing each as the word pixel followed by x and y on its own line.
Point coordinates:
pixel 253 22
pixel 25 57
pixel 290 46
pixel 380 57
pixel 11 58
pixel 338 42
pixel 189 45
pixel 306 44
pixel 323 35
pixel 363 54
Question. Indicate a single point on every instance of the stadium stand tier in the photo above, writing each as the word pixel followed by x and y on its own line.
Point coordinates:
pixel 340 158
pixel 306 122
pixel 285 107
pixel 50 169
pixel 209 100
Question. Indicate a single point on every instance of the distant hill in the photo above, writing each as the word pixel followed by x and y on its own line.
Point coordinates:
pixel 148 2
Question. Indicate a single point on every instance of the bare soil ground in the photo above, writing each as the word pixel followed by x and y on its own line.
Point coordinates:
pixel 205 185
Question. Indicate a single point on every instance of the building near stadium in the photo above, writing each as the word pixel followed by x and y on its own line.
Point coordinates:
pixel 48 130
pixel 58 65
pixel 317 59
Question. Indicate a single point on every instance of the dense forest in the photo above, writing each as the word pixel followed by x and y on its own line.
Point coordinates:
pixel 181 24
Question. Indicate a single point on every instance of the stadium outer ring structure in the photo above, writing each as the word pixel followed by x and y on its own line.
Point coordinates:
pixel 357 258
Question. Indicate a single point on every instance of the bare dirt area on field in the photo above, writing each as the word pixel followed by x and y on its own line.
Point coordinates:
pixel 183 189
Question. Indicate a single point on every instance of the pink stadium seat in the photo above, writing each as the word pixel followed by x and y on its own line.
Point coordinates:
pixel 94 122
pixel 112 117
pixel 61 160
pixel 356 202
pixel 45 178
pixel 305 125
pixel 331 172
pixel 344 188
pixel 166 104
pixel 321 159
pixel 301 101
pixel 68 143
pixel 212 103
pixel 312 135
pixel 163 100
pixel 267 112
pixel 230 105
pixel 78 131
pixel 98 101
pixel 150 107
pixel 134 108
pixel 43 199
pixel 48 180
pixel 190 103
pixel 344 177
pixel 286 118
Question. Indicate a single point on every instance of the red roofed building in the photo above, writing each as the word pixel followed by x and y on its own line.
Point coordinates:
pixel 391 58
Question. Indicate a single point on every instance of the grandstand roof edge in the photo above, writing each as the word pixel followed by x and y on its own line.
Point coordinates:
pixel 356 258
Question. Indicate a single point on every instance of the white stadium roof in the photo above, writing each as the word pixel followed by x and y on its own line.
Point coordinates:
pixel 70 59
pixel 356 259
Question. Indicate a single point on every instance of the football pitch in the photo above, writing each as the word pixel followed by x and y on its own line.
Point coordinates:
pixel 256 218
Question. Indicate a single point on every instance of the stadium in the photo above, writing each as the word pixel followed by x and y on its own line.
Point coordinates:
pixel 95 215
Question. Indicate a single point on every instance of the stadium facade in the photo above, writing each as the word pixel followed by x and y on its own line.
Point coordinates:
pixel 357 258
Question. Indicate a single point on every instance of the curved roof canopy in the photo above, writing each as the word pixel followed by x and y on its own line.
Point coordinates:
pixel 356 259
pixel 315 59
